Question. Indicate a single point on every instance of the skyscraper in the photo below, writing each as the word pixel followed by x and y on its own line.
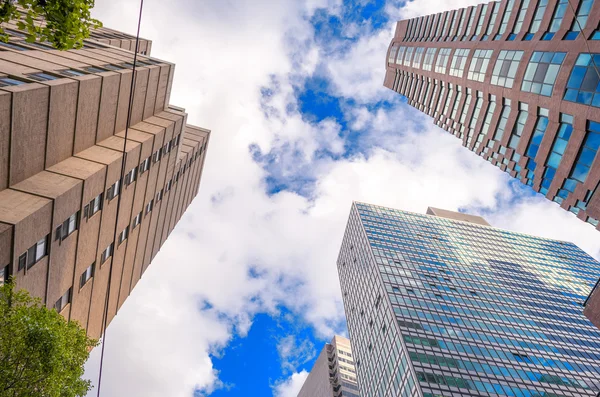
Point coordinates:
pixel 333 374
pixel 445 305
pixel 63 116
pixel 517 82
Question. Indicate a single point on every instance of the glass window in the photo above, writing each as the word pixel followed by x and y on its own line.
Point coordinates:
pixel 446 24
pixel 474 118
pixel 557 17
pixel 67 227
pixel 13 46
pixel 506 67
pixel 95 205
pixel 442 60
pixel 583 85
pixel 438 31
pixel 538 133
pixel 393 52
pixel 71 72
pixel 137 220
pixel 107 253
pixel 520 19
pixel 8 81
pixel 3 275
pixel 454 20
pixel 123 235
pixel 587 153
pixel 459 60
pixel 515 136
pixel 40 250
pixel 144 165
pixel 408 56
pixel 487 121
pixel 505 18
pixel 41 76
pixel 417 58
pixel 472 11
pixel 131 177
pixel 480 21
pixel 503 120
pixel 537 19
pixel 492 23
pixel 86 275
pixel 113 191
pixel 479 65
pixel 63 301
pixel 542 71
pixel 428 60
pixel 582 16
pixel 463 18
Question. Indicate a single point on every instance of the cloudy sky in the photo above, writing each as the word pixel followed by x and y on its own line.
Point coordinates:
pixel 245 292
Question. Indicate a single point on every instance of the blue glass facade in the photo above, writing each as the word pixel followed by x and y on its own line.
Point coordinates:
pixel 440 307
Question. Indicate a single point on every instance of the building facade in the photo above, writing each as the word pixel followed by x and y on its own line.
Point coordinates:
pixel 517 82
pixel 333 374
pixel 441 306
pixel 63 118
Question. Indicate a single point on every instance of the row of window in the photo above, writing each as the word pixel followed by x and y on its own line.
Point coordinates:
pixel 420 90
pixel 437 27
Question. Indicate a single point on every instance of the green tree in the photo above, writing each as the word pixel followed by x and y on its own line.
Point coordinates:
pixel 63 23
pixel 41 354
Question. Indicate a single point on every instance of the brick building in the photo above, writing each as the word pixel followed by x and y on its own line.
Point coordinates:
pixel 517 81
pixel 63 117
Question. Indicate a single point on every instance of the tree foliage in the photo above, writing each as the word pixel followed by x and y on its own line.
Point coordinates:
pixel 41 354
pixel 63 23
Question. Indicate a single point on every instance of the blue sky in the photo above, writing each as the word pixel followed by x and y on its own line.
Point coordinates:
pixel 245 292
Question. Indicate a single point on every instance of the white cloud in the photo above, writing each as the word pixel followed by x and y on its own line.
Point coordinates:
pixel 293 353
pixel 291 386
pixel 160 342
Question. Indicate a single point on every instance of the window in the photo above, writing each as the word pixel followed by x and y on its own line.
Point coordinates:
pixel 131 177
pixel 107 253
pixel 490 28
pixel 442 60
pixel 144 165
pixel 459 60
pixel 400 55
pixel 582 86
pixel 159 195
pixel 517 131
pixel 587 153
pixel 67 227
pixel 503 120
pixel 393 51
pixel 123 235
pixel 506 67
pixel 113 191
pixel 474 118
pixel 487 121
pixel 538 133
pixel 156 156
pixel 87 275
pixel 34 254
pixel 479 65
pixel 454 19
pixel 408 56
pixel 137 220
pixel 559 13
pixel 520 19
pixel 112 67
pixel 94 206
pixel 41 76
pixel 149 206
pixel 3 275
pixel 71 72
pixel 418 55
pixel 480 21
pixel 579 23
pixel 537 19
pixel 63 301
pixel 505 18
pixel 168 186
pixel 13 46
pixel 472 10
pixel 542 71
pixel 558 149
pixel 463 15
pixel 177 140
pixel 8 81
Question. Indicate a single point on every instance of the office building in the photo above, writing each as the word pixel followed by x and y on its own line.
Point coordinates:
pixel 63 117
pixel 441 305
pixel 517 82
pixel 333 374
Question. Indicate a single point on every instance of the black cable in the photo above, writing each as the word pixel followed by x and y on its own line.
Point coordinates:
pixel 123 164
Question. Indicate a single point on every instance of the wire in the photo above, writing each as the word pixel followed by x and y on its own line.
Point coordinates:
pixel 123 164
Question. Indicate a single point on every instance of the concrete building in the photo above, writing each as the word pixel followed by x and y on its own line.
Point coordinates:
pixel 333 374
pixel 439 306
pixel 63 117
pixel 517 82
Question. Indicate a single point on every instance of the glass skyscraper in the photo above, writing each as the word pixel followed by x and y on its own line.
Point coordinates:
pixel 454 307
